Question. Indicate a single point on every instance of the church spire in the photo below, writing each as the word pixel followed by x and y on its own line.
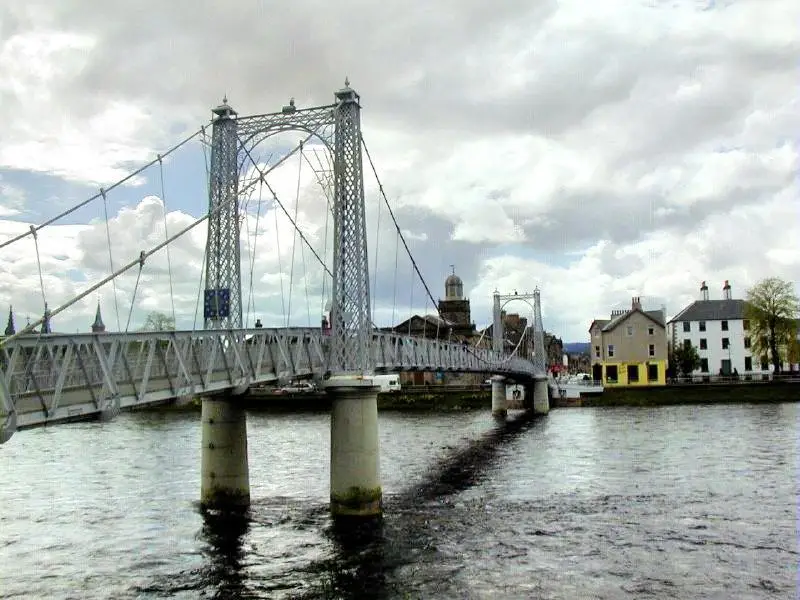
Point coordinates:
pixel 46 322
pixel 10 330
pixel 98 326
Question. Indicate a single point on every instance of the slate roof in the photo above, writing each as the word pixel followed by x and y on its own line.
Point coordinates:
pixel 654 315
pixel 600 323
pixel 432 320
pixel 712 310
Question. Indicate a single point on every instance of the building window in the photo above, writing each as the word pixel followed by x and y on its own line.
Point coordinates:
pixel 725 343
pixel 652 372
pixel 633 373
pixel 687 326
pixel 651 331
pixel 764 363
pixel 629 330
pixel 704 365
pixel 724 326
pixel 702 326
pixel 597 351
pixel 748 363
pixel 746 324
pixel 703 344
pixel 611 350
pixel 651 349
pixel 747 342
pixel 687 344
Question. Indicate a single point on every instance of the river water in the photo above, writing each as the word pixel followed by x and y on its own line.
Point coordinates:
pixel 672 502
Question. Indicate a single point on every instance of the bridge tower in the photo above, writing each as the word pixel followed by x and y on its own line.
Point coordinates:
pixel 537 390
pixel 541 391
pixel 225 477
pixel 355 473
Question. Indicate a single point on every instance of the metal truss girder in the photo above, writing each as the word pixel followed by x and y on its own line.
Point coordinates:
pixel 392 352
pixel 124 370
pixel 540 352
pixel 63 377
pixel 316 121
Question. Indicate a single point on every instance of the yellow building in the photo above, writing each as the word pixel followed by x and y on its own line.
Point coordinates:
pixel 630 348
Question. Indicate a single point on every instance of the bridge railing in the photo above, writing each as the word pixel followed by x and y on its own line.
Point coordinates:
pixel 393 352
pixel 57 376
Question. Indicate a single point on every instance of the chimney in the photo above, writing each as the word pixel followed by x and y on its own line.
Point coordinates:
pixel 726 290
pixel 636 303
pixel 704 291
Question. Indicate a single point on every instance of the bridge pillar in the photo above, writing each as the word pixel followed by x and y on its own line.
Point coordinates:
pixel 541 396
pixel 225 477
pixel 355 455
pixel 499 408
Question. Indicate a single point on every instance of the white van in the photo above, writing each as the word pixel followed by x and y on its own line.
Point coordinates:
pixel 388 383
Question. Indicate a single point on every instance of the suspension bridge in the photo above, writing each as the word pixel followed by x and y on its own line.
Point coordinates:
pixel 48 378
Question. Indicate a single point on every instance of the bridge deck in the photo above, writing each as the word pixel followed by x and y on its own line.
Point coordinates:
pixel 57 377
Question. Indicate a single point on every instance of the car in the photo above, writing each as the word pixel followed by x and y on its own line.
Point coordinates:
pixel 298 387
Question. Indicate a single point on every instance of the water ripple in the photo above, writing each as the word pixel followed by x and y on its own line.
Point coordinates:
pixel 587 503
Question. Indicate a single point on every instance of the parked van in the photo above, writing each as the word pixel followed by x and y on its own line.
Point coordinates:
pixel 388 383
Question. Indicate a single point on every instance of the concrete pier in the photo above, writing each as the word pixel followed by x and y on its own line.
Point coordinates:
pixel 541 397
pixel 355 453
pixel 225 477
pixel 499 408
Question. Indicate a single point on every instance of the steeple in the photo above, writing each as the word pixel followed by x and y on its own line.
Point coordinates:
pixel 46 322
pixel 10 330
pixel 98 326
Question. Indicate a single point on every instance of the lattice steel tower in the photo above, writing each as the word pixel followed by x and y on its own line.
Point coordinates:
pixel 540 356
pixel 351 325
pixel 222 304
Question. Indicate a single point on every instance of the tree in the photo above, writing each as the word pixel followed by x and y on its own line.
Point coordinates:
pixel 686 359
pixel 157 321
pixel 772 308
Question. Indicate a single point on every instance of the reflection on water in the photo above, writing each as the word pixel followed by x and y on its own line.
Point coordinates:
pixel 223 532
pixel 589 503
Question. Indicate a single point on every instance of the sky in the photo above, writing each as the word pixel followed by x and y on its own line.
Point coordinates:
pixel 599 151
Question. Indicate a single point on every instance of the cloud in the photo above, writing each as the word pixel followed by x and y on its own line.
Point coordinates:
pixel 599 150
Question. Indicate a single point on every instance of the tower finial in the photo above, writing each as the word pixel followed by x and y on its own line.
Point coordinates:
pixel 346 81
pixel 452 269
pixel 225 98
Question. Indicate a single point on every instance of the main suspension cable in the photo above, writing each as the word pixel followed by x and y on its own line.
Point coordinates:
pixel 394 220
pixel 143 255
pixel 405 244
pixel 125 179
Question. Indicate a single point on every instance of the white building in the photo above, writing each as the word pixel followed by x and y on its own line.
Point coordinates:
pixel 719 331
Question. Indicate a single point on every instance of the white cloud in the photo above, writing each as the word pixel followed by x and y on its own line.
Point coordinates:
pixel 600 151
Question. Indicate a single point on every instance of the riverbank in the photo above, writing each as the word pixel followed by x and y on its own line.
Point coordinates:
pixel 431 401
pixel 693 394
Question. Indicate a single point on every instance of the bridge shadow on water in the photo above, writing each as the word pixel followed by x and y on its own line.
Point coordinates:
pixel 365 559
